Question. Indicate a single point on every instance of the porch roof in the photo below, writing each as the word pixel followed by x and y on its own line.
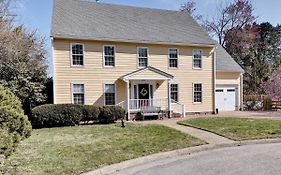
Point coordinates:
pixel 148 73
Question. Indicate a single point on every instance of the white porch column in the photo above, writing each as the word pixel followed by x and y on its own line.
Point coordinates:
pixel 128 98
pixel 169 96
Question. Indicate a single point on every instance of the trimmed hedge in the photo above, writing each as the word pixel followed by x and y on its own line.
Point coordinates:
pixel 14 125
pixel 109 114
pixel 58 115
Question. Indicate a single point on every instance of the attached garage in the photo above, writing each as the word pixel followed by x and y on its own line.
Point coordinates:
pixel 229 82
pixel 227 98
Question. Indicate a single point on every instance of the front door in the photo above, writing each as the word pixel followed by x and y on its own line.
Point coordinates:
pixel 143 91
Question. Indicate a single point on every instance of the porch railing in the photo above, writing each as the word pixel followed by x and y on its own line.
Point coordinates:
pixel 138 104
pixel 177 107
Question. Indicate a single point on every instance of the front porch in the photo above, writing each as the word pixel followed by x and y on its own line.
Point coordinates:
pixel 148 92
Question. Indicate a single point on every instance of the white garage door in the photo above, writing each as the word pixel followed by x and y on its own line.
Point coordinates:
pixel 226 98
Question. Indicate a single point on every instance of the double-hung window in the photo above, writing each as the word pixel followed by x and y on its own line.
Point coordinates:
pixel 197 58
pixel 78 93
pixel 109 56
pixel 142 57
pixel 109 94
pixel 197 93
pixel 173 58
pixel 174 92
pixel 77 54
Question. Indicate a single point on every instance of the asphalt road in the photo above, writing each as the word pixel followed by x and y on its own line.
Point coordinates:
pixel 264 159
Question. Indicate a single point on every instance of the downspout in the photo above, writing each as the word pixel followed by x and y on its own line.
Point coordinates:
pixel 214 79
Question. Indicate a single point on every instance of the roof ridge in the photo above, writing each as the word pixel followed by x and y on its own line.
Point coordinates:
pixel 130 6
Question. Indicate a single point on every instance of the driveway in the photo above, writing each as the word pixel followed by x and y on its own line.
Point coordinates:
pixel 262 159
pixel 253 114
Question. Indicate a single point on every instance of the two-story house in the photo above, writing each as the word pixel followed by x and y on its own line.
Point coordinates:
pixel 106 54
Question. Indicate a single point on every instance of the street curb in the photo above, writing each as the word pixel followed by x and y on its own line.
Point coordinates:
pixel 181 152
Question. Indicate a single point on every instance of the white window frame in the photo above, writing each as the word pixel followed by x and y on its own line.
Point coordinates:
pixel 71 55
pixel 138 58
pixel 115 94
pixel 169 58
pixel 193 93
pixel 177 91
pixel 201 59
pixel 103 55
pixel 72 91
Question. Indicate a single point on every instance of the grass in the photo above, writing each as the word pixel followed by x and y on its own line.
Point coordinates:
pixel 73 150
pixel 238 128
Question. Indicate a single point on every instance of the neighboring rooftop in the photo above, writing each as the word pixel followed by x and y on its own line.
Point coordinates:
pixel 99 21
pixel 224 62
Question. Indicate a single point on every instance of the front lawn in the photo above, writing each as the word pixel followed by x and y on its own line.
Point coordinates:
pixel 73 150
pixel 238 128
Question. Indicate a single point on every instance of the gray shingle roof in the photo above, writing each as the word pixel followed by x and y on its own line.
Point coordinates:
pixel 99 21
pixel 224 62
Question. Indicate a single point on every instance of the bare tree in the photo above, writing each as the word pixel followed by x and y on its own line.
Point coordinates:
pixel 190 8
pixel 235 15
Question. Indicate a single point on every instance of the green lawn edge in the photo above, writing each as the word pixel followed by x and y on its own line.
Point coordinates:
pixel 157 139
pixel 184 123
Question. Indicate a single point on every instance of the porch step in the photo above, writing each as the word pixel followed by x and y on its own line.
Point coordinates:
pixel 176 115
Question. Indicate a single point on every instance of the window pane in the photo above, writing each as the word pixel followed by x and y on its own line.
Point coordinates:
pixel 77 49
pixel 77 60
pixel 173 63
pixel 197 63
pixel 109 88
pixel 109 50
pixel 142 62
pixel 109 98
pixel 78 88
pixel 174 92
pixel 198 93
pixel 143 52
pixel 173 53
pixel 109 61
pixel 78 99
pixel 197 53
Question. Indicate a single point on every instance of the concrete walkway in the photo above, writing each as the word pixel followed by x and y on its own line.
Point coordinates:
pixel 203 135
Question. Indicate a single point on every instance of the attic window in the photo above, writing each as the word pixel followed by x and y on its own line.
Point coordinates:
pixel 77 54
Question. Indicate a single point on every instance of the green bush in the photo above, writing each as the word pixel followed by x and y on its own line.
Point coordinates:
pixel 14 125
pixel 58 115
pixel 109 114
pixel 90 113
pixel 47 116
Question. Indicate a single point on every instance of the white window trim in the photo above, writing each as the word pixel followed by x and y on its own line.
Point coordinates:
pixel 178 51
pixel 115 93
pixel 177 92
pixel 193 84
pixel 197 68
pixel 103 56
pixel 138 65
pixel 71 58
pixel 72 93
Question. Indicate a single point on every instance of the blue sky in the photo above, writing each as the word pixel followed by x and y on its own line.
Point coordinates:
pixel 36 14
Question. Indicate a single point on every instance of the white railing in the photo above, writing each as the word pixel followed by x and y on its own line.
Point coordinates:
pixel 176 107
pixel 122 104
pixel 138 104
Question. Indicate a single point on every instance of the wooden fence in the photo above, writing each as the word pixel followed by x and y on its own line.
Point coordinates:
pixel 269 104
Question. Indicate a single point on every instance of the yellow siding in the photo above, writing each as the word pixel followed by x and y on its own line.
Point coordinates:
pixel 94 75
pixel 228 78
pixel 231 78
